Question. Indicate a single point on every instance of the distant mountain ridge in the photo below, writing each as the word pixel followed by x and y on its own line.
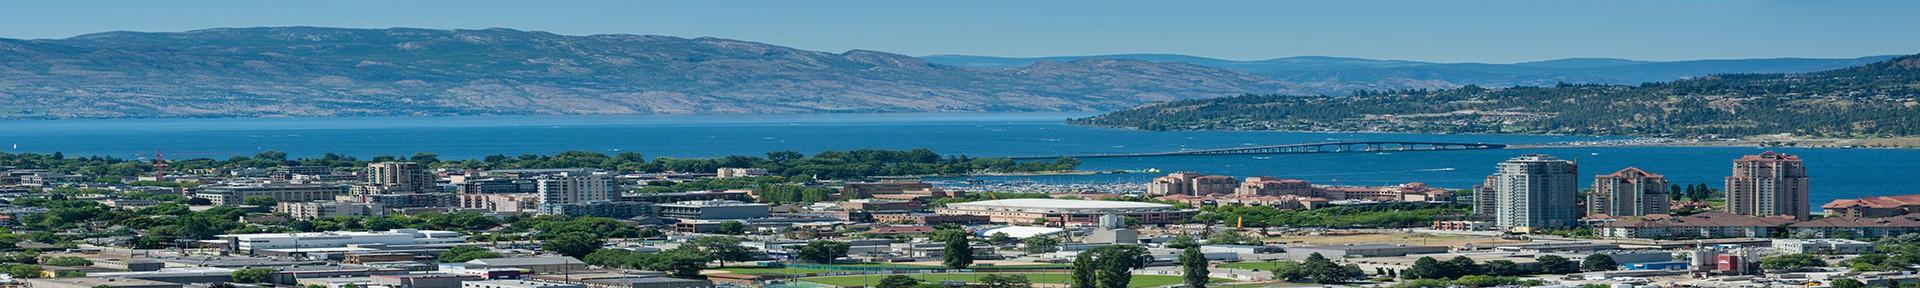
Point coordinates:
pixel 1340 75
pixel 321 72
pixel 1876 100
pixel 310 71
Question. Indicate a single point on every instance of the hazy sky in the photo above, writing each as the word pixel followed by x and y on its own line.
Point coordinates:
pixel 1450 31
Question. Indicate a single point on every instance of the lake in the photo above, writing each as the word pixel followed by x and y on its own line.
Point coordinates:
pixel 1836 173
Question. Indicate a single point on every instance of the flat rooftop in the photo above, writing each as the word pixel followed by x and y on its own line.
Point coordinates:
pixel 1058 203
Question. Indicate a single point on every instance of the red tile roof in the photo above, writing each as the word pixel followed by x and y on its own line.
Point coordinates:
pixel 1877 202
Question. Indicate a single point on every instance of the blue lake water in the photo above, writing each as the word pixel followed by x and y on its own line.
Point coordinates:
pixel 1837 173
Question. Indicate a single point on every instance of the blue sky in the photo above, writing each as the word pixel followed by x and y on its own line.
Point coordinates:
pixel 1447 31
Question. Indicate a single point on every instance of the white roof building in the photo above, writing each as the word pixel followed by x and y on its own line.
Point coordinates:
pixel 249 242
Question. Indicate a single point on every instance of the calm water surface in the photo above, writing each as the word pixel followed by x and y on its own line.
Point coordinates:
pixel 1837 173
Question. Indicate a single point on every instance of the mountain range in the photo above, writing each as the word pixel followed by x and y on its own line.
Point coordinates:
pixel 319 72
pixel 1341 75
pixel 1876 100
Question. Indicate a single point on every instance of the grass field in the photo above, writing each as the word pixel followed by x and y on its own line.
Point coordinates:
pixel 1396 238
pixel 870 280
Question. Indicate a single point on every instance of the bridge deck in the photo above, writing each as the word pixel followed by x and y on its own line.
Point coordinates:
pixel 1322 147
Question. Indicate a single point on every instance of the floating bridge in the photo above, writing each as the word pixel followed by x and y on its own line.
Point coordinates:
pixel 1304 148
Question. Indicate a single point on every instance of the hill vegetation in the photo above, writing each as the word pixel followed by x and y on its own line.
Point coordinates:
pixel 1874 100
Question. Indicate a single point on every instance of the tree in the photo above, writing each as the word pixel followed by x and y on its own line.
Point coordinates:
pixel 1503 268
pixel 1321 270
pixel 260 200
pixel 199 201
pixel 1084 271
pixel 999 238
pixel 1791 262
pixel 1847 283
pixel 1598 262
pixel 823 251
pixel 1425 268
pixel 1232 238
pixel 1182 242
pixel 1108 266
pixel 1005 281
pixel 465 253
pixel 1041 244
pixel 722 248
pixel 252 275
pixel 1463 266
pixel 731 228
pixel 574 244
pixel 898 281
pixel 1552 264
pixel 1194 265
pixel 69 261
pixel 959 253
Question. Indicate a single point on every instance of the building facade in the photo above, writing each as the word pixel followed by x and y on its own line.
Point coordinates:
pixel 327 209
pixel 231 195
pixel 1628 192
pixel 1269 186
pixel 569 188
pixel 1536 191
pixel 1060 212
pixel 712 209
pixel 1768 184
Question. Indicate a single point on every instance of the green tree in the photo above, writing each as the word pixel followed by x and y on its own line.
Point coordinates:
pixel 959 253
pixel 1791 262
pixel 722 248
pixel 465 253
pixel 260 200
pixel 574 244
pixel 731 228
pixel 1321 270
pixel 1504 268
pixel 253 275
pixel 68 261
pixel 1085 274
pixel 1425 268
pixel 1114 264
pixel 898 281
pixel 1847 283
pixel 1005 281
pixel 1182 242
pixel 1598 262
pixel 822 251
pixel 1041 244
pixel 1462 266
pixel 1552 264
pixel 1194 266
pixel 999 238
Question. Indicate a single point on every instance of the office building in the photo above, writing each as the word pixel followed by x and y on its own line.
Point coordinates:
pixel 397 178
pixel 1269 186
pixel 1486 200
pixel 608 209
pixel 497 186
pixel 234 194
pixel 573 187
pixel 327 209
pixel 1628 192
pixel 1534 192
pixel 1873 206
pixel 1061 212
pixel 740 172
pixel 1768 184
pixel 1180 183
pixel 712 209
pixel 396 237
pixel 501 202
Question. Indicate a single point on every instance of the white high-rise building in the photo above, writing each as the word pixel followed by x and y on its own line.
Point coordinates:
pixel 1535 191
pixel 575 187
